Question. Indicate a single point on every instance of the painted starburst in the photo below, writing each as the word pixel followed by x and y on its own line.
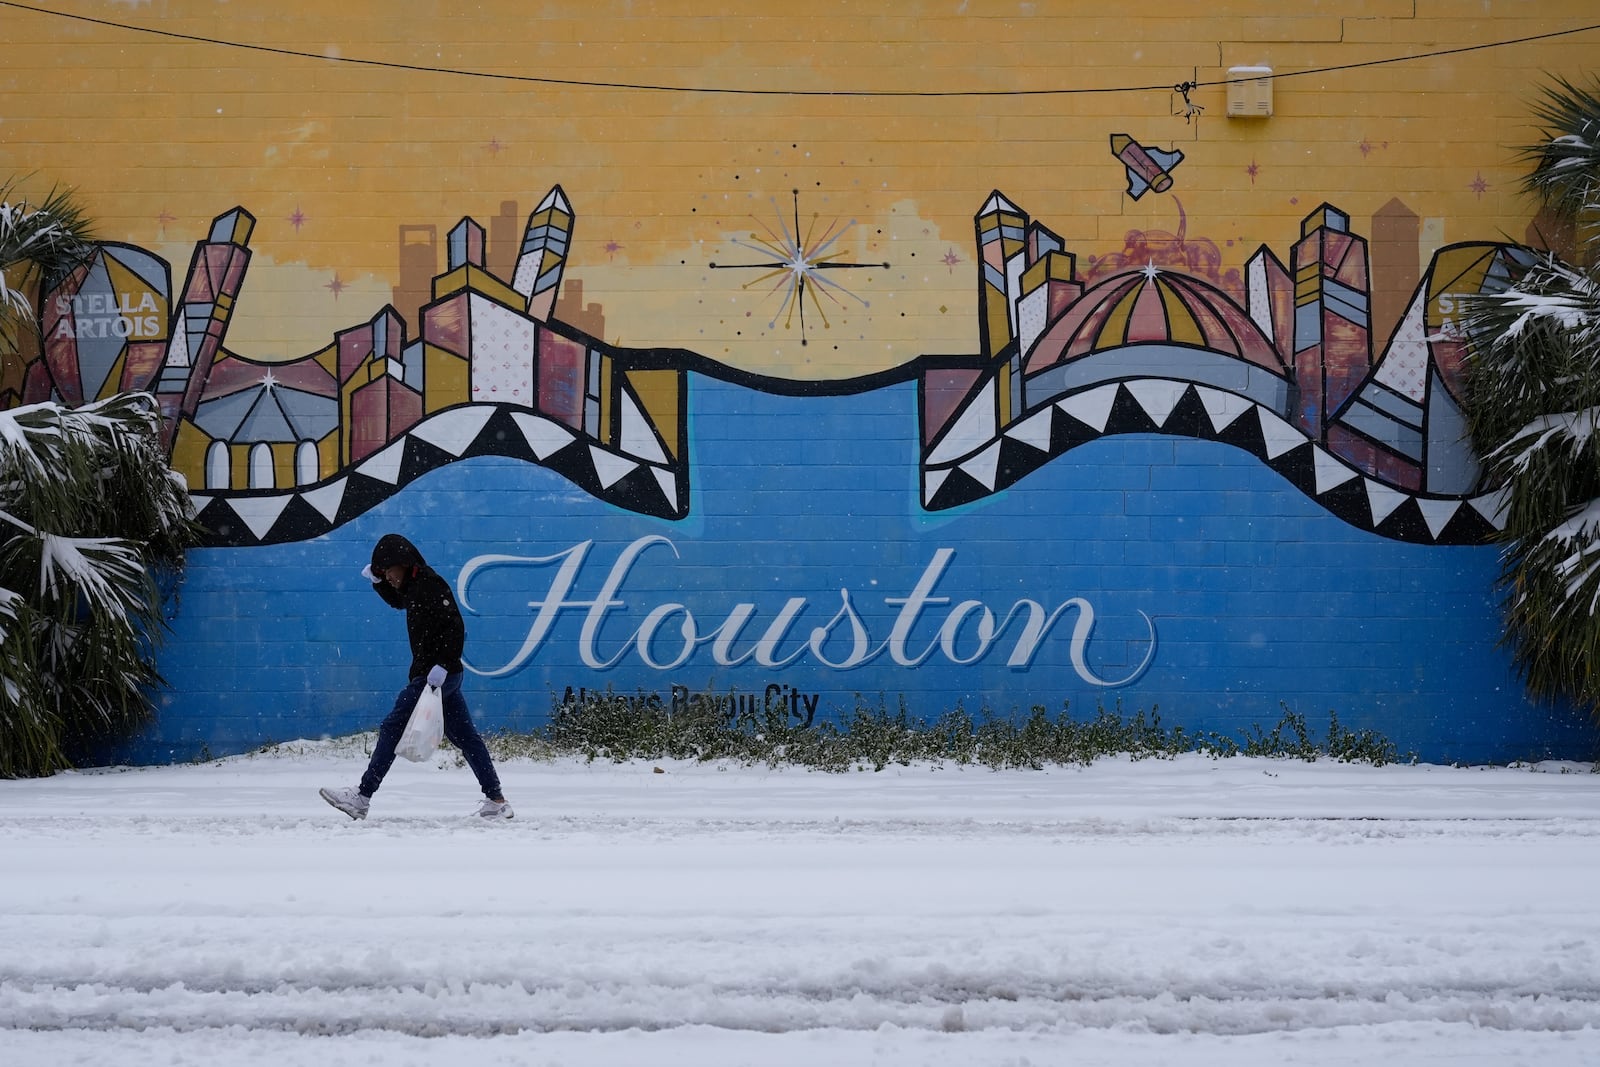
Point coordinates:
pixel 793 267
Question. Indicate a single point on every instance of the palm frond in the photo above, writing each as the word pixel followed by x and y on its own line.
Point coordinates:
pixel 10 610
pixel 53 236
pixel 1565 165
pixel 104 573
pixel 39 245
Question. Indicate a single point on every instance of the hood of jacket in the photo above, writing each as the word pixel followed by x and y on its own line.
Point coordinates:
pixel 394 550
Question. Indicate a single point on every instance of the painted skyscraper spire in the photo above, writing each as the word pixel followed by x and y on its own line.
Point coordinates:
pixel 1002 256
pixel 544 254
pixel 465 245
pixel 216 274
pixel 1332 317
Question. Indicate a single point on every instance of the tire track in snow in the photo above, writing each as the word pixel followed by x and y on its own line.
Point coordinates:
pixel 482 1009
pixel 1267 829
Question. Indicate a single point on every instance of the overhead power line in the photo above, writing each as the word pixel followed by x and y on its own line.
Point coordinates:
pixel 580 83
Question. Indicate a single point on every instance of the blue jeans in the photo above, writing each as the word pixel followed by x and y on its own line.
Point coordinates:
pixel 458 729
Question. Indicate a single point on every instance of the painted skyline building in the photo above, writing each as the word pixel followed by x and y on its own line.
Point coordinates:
pixel 1146 350
pixel 1154 350
pixel 279 444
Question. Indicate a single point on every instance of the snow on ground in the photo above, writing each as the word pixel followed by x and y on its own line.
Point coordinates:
pixel 1220 912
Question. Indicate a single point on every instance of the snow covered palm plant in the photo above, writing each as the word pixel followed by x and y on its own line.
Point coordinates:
pixel 38 245
pixel 92 519
pixel 1566 163
pixel 1533 413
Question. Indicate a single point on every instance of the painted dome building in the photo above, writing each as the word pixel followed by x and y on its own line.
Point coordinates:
pixel 1145 324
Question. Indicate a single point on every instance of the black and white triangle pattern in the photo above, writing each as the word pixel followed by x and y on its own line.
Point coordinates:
pixel 1158 405
pixel 264 517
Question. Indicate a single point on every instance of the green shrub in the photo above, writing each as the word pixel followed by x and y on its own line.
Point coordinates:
pixel 618 727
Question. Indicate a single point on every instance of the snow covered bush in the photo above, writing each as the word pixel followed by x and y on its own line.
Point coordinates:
pixel 93 524
pixel 1533 407
pixel 733 727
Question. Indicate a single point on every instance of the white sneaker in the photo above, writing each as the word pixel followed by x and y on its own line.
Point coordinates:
pixel 493 809
pixel 349 801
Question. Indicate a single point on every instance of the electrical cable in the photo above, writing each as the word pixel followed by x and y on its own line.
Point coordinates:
pixel 714 90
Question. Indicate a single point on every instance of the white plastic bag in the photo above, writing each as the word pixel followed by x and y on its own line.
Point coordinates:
pixel 424 728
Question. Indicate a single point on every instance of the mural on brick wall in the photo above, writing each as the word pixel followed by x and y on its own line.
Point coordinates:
pixel 1158 479
pixel 843 367
pixel 284 451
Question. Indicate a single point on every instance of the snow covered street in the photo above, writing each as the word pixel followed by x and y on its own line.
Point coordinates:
pixel 1194 911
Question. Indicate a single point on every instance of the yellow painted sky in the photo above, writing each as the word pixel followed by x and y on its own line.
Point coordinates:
pixel 890 128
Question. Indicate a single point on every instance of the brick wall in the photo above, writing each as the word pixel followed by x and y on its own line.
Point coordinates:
pixel 694 150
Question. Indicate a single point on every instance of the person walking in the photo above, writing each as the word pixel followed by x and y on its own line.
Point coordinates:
pixel 404 580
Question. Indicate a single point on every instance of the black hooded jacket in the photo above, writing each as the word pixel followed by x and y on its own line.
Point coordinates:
pixel 433 622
